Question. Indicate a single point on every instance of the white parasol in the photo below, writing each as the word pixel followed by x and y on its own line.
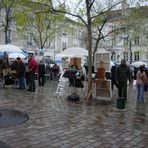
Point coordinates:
pixel 15 55
pixel 139 63
pixel 9 48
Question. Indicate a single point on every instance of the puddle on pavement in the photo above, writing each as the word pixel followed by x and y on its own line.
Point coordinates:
pixel 4 145
pixel 10 117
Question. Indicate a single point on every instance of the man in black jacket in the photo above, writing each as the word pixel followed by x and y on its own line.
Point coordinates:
pixel 113 77
pixel 21 73
pixel 41 73
pixel 122 76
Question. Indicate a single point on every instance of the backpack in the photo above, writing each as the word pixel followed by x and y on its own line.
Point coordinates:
pixel 73 97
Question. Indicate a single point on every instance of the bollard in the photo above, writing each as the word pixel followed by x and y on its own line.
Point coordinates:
pixel 120 103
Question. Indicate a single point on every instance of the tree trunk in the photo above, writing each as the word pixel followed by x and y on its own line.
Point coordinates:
pixel 89 47
pixel 7 25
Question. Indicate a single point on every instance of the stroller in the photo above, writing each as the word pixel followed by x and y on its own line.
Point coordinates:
pixel 74 81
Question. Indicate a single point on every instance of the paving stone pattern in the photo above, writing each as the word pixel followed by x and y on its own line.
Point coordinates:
pixel 56 123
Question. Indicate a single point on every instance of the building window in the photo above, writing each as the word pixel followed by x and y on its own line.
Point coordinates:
pixel 136 40
pixel 113 56
pixel 125 41
pixel 136 56
pixel 114 41
pixel 125 54
pixel 29 38
pixel 63 45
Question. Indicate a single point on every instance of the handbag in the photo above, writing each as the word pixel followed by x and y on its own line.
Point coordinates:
pixel 73 97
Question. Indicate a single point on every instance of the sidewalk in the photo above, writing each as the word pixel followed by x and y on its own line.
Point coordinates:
pixel 55 123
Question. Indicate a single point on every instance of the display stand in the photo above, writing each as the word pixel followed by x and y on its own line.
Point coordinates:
pixel 103 90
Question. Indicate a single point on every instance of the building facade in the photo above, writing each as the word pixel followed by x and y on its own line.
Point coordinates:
pixel 131 44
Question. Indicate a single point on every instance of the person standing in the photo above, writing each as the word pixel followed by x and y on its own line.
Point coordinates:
pixel 142 80
pixel 122 76
pixel 41 73
pixel 5 64
pixel 113 77
pixel 55 70
pixel 5 69
pixel 32 67
pixel 21 73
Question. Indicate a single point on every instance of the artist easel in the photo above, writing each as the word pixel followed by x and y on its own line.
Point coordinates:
pixel 94 82
pixel 100 85
pixel 93 86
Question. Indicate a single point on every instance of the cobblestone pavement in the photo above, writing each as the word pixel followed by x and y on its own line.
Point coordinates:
pixel 55 123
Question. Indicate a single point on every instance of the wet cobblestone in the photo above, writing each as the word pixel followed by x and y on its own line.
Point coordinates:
pixel 55 123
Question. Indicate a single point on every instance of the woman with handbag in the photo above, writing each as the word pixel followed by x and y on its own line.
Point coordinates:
pixel 141 82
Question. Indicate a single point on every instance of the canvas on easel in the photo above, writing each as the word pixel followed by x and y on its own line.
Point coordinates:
pixel 102 57
pixel 103 87
pixel 76 61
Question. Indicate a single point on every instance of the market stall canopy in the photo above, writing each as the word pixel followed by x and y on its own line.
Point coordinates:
pixel 14 55
pixel 10 48
pixel 74 52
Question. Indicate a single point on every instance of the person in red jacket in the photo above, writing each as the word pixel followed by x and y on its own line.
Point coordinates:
pixel 32 67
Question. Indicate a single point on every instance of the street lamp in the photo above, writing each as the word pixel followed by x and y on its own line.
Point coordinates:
pixel 129 42
pixel 130 49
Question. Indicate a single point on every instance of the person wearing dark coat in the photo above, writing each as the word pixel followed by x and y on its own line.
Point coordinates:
pixel 5 64
pixel 122 76
pixel 113 77
pixel 41 73
pixel 21 73
pixel 55 70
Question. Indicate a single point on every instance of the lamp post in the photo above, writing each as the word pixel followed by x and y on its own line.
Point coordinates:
pixel 130 49
pixel 129 42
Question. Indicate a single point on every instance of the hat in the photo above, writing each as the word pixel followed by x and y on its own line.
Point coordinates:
pixel 18 58
pixel 123 61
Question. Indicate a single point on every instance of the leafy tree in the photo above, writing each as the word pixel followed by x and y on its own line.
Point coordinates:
pixel 6 8
pixel 43 25
pixel 93 14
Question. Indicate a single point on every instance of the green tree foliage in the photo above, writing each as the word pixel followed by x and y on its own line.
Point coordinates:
pixel 30 15
pixel 6 14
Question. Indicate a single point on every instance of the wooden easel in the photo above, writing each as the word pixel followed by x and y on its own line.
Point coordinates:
pixel 100 79
pixel 93 85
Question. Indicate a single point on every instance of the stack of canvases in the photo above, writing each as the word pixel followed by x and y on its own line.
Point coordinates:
pixel 76 61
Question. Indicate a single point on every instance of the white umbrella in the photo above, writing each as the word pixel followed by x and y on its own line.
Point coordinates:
pixel 74 52
pixel 9 48
pixel 15 55
pixel 139 63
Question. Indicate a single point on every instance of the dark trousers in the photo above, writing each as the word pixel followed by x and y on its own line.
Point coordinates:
pixel 113 82
pixel 27 78
pixel 31 81
pixel 122 89
pixel 41 79
pixel 21 82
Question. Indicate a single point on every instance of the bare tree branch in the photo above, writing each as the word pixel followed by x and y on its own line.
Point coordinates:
pixel 105 10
